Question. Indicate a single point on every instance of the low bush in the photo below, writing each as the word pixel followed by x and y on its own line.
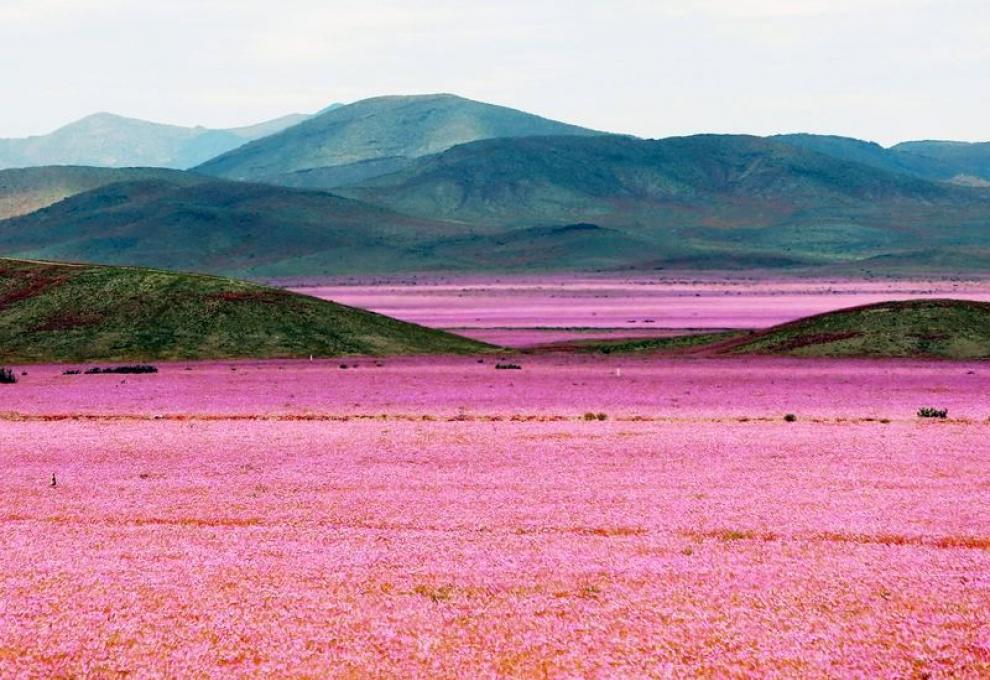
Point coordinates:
pixel 7 377
pixel 790 418
pixel 929 412
pixel 595 416
pixel 508 367
pixel 136 368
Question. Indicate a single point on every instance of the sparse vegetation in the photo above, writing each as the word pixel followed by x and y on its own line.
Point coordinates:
pixel 929 412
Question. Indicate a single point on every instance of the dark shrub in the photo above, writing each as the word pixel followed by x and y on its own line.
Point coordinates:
pixel 790 417
pixel 929 412
pixel 7 377
pixel 136 368
pixel 508 367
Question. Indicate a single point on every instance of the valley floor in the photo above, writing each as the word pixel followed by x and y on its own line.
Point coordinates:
pixel 436 517
pixel 523 311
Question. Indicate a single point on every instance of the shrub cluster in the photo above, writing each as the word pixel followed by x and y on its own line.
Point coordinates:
pixel 7 377
pixel 96 370
pixel 508 367
pixel 595 416
pixel 929 412
pixel 790 418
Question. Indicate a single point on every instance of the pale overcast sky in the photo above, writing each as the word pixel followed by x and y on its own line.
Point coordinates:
pixel 885 70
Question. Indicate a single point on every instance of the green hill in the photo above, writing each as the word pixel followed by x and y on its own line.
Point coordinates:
pixel 24 190
pixel 951 329
pixel 385 129
pixel 61 312
pixel 108 140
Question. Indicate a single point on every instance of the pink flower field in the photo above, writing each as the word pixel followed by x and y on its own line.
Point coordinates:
pixel 436 518
pixel 519 311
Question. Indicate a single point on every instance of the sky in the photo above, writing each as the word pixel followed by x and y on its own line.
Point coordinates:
pixel 883 70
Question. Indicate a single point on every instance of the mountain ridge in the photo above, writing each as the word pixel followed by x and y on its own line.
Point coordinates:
pixel 393 126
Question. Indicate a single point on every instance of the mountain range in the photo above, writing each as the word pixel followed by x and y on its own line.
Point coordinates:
pixel 108 140
pixel 442 183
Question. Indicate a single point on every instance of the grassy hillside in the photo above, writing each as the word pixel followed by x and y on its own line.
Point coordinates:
pixel 952 329
pixel 108 140
pixel 24 190
pixel 948 329
pixel 60 312
pixel 382 128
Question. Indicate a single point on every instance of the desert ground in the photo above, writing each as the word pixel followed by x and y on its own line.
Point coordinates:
pixel 581 516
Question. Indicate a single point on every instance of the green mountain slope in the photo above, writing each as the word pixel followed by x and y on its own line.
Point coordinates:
pixel 60 312
pixel 698 199
pixel 953 329
pixel 392 128
pixel 108 140
pixel 24 190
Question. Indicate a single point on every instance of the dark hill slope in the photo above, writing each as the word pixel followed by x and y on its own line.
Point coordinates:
pixel 952 329
pixel 385 129
pixel 60 312
pixel 25 190
pixel 221 227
